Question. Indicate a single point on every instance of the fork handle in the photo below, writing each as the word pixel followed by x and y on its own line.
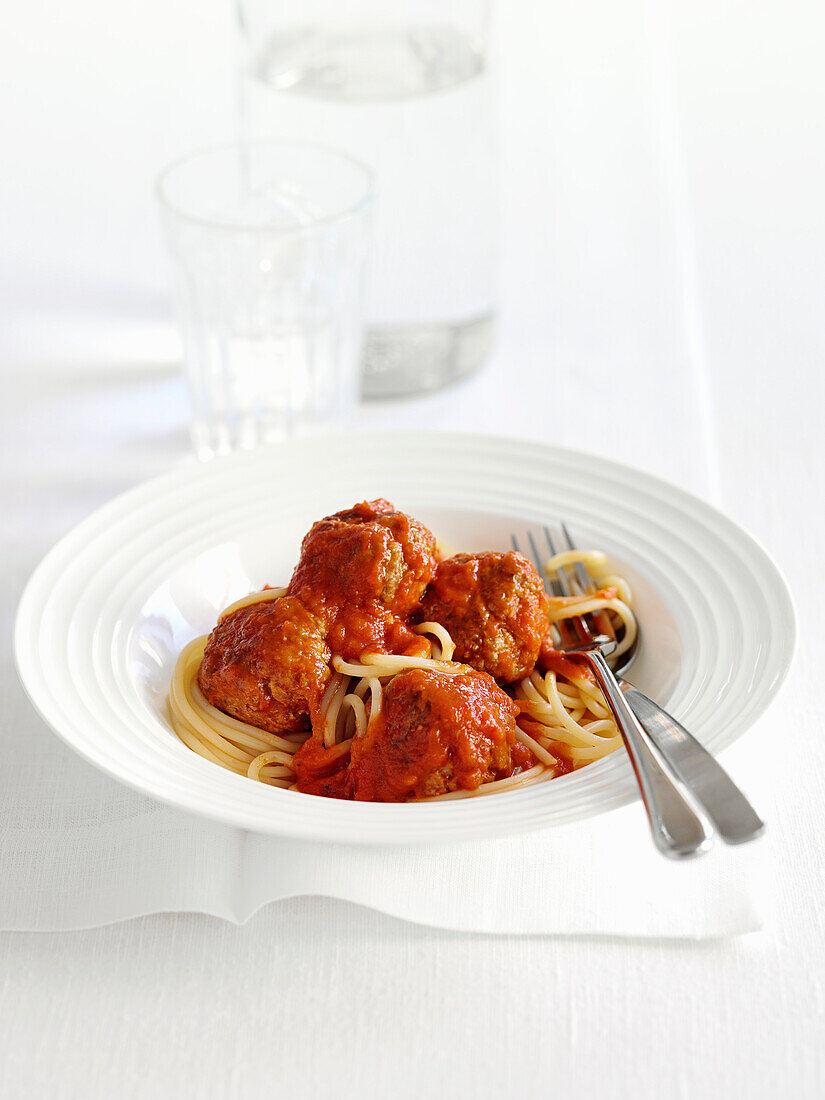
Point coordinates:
pixel 677 823
pixel 724 803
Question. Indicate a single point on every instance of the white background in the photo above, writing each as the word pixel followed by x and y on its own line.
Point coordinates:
pixel 663 169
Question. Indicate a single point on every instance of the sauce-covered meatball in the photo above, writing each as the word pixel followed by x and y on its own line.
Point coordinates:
pixel 362 572
pixel 495 609
pixel 435 733
pixel 267 664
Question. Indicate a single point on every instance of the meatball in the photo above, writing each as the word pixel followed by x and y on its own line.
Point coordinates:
pixel 494 607
pixel 363 571
pixel 435 733
pixel 267 664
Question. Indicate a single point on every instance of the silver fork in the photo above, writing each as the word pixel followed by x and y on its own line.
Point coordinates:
pixel 677 823
pixel 723 802
pixel 735 819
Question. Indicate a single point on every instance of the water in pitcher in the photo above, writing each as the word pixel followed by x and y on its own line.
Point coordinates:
pixel 414 104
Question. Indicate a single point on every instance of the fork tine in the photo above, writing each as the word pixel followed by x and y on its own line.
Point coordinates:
pixel 548 585
pixel 579 568
pixel 551 586
pixel 536 557
pixel 534 550
pixel 561 585
pixel 598 620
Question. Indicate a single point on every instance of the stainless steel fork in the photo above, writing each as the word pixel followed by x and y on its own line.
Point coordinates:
pixel 709 789
pixel 677 824
pixel 729 810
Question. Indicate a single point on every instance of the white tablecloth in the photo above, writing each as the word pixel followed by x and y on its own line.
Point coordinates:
pixel 663 263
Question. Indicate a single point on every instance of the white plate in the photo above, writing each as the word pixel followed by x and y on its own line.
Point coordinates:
pixel 107 611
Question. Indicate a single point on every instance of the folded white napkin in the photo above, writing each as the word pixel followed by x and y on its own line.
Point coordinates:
pixel 78 850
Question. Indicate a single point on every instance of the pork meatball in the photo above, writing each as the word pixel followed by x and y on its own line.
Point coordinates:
pixel 267 664
pixel 363 571
pixel 495 609
pixel 435 733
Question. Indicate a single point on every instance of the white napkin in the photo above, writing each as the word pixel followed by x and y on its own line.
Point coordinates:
pixel 78 849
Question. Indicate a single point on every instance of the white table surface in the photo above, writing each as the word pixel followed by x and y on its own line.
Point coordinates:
pixel 649 205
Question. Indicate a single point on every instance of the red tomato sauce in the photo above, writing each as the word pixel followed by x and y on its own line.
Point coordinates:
pixel 357 629
pixel 322 771
pixel 435 733
pixel 553 660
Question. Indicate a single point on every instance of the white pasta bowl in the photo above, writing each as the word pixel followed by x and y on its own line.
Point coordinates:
pixel 106 613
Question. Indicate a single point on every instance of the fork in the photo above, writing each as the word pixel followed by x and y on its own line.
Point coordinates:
pixel 705 779
pixel 677 824
pixel 722 800
pixel 726 806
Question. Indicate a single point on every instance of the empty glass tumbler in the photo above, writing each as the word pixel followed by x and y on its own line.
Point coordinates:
pixel 406 88
pixel 269 243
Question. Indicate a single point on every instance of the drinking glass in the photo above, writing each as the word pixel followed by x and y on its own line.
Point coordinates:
pixel 407 88
pixel 269 243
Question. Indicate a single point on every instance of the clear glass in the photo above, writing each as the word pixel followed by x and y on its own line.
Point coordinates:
pixel 406 88
pixel 269 243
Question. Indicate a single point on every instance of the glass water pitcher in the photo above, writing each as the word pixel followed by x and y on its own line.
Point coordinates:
pixel 407 89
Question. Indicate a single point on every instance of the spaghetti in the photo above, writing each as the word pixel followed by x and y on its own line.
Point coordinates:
pixel 564 720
